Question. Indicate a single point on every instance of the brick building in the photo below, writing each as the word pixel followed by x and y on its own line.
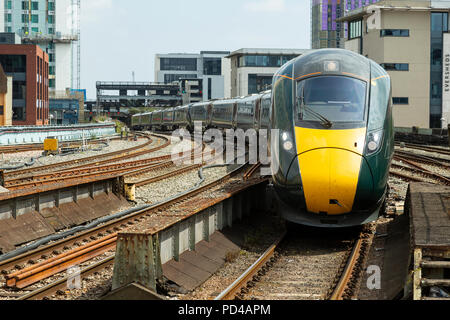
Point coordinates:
pixel 29 66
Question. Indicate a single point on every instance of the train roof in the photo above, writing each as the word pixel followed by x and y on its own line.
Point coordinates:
pixel 327 62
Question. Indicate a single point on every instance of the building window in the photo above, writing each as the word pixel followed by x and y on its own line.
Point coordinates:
pixel 212 66
pixel 394 33
pixel 51 19
pixel 13 63
pixel 168 78
pixel 395 66
pixel 51 57
pixel 25 5
pixel 8 17
pixel 52 70
pixel 9 4
pixel 35 5
pixel 400 100
pixel 257 84
pixel 24 18
pixel 51 30
pixel 35 18
pixel 179 64
pixel 264 60
pixel 51 83
pixel 355 28
pixel 51 6
pixel 35 29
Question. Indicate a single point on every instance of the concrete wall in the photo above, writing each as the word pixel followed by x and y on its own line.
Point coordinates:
pixel 226 71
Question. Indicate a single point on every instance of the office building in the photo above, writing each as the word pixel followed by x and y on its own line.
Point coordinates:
pixel 326 31
pixel 206 66
pixel 28 65
pixel 67 107
pixel 410 40
pixel 250 70
pixel 51 24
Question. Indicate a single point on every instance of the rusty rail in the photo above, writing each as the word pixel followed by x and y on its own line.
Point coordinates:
pixel 252 170
pixel 234 289
pixel 421 171
pixel 62 283
pixel 426 148
pixel 338 293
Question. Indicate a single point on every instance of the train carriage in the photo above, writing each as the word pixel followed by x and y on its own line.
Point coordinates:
pixel 224 114
pixel 136 121
pixel 146 120
pixel 167 119
pixel 200 112
pixel 247 109
pixel 263 119
pixel 180 119
pixel 156 121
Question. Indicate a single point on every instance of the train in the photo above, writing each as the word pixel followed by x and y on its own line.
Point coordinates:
pixel 334 143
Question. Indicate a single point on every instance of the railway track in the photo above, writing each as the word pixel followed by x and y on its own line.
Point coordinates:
pixel 417 173
pixel 88 161
pixel 440 150
pixel 302 267
pixel 130 168
pixel 47 261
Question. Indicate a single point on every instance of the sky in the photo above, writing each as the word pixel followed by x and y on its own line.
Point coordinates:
pixel 119 37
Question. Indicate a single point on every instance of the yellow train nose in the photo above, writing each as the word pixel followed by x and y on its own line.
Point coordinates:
pixel 330 161
pixel 330 178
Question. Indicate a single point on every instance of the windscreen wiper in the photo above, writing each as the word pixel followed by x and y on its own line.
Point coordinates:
pixel 324 121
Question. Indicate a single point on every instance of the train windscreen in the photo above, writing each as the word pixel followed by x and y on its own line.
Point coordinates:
pixel 330 99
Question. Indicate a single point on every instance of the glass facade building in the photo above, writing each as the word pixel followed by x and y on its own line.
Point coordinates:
pixel 439 24
pixel 325 31
pixel 205 66
pixel 36 22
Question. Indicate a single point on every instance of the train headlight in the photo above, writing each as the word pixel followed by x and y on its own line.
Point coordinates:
pixel 288 146
pixel 286 141
pixel 331 66
pixel 374 141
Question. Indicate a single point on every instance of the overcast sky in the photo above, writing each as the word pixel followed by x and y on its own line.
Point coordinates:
pixel 118 37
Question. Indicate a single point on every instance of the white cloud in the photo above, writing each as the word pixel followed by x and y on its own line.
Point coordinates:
pixel 266 6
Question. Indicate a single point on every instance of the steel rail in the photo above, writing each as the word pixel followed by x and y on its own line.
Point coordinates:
pixel 252 170
pixel 426 148
pixel 62 283
pixel 233 289
pixel 424 172
pixel 422 159
pixel 339 290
